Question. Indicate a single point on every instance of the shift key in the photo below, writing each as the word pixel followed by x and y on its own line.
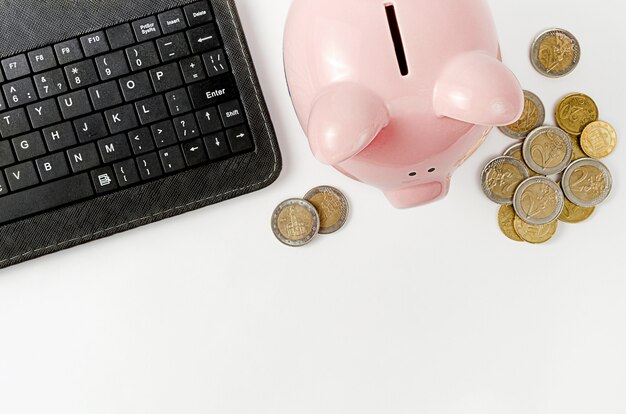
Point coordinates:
pixel 214 91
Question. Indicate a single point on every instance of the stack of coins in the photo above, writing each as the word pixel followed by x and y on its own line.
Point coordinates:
pixel 553 174
pixel 323 210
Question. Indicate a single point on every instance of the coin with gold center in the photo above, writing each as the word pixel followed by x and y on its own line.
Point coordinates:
pixel 332 207
pixel 295 222
pixel 538 201
pixel 547 150
pixel 575 111
pixel 575 214
pixel 533 117
pixel 599 139
pixel 577 151
pixel 587 182
pixel 501 177
pixel 555 53
pixel 515 151
pixel 506 220
pixel 535 234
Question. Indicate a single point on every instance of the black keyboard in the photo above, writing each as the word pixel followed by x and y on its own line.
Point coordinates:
pixel 117 108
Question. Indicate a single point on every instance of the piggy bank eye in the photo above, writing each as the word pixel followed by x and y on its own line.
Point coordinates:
pixel 396 36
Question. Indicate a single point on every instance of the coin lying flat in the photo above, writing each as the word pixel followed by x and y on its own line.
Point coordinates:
pixel 501 177
pixel 577 151
pixel 575 214
pixel 587 182
pixel 515 151
pixel 533 117
pixel 555 53
pixel 506 221
pixel 295 222
pixel 575 111
pixel 547 150
pixel 598 139
pixel 535 234
pixel 332 207
pixel 538 201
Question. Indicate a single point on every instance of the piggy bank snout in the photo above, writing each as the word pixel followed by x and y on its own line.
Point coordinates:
pixel 418 194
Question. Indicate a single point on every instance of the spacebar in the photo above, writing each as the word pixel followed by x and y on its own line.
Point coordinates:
pixel 44 197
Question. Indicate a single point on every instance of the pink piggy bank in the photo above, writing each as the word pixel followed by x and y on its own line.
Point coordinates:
pixel 398 94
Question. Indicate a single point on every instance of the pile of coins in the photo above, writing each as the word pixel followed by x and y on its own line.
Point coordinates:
pixel 554 174
pixel 323 210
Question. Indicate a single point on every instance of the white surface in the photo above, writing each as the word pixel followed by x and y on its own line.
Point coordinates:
pixel 424 311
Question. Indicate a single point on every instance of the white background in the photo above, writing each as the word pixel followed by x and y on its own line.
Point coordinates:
pixel 430 310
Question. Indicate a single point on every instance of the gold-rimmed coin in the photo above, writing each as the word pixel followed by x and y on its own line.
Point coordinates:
pixel 547 150
pixel 332 207
pixel 506 221
pixel 555 53
pixel 587 182
pixel 535 234
pixel 295 222
pixel 538 201
pixel 577 151
pixel 575 111
pixel 574 214
pixel 501 177
pixel 533 117
pixel 598 139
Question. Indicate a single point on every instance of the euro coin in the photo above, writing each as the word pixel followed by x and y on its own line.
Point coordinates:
pixel 598 139
pixel 535 234
pixel 547 150
pixel 295 222
pixel 575 111
pixel 506 220
pixel 501 177
pixel 538 201
pixel 332 207
pixel 555 53
pixel 515 151
pixel 574 214
pixel 533 117
pixel 577 151
pixel 587 182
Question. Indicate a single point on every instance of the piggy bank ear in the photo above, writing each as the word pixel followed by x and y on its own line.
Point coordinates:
pixel 344 120
pixel 479 89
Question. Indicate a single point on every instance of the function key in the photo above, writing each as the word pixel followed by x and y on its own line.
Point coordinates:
pixel 198 13
pixel 172 21
pixel 146 29
pixel 15 67
pixel 42 59
pixel 120 36
pixel 94 44
pixel 68 52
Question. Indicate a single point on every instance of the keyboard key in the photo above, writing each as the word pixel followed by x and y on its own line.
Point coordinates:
pixel 6 154
pixel 20 92
pixel 136 86
pixel 52 167
pixel 146 29
pixel 81 74
pixel 193 70
pixel 194 153
pixel 13 123
pixel 42 59
pixel 21 176
pixel 120 36
pixel 231 113
pixel 172 47
pixel 203 38
pixel 15 67
pixel 172 21
pixel 121 119
pixel 103 180
pixel 141 141
pixel 59 136
pixel 29 146
pixel 68 52
pixel 43 113
pixel 4 189
pixel 212 92
pixel 112 65
pixel 149 166
pixel 178 101
pixel 3 106
pixel 198 13
pixel 126 173
pixel 209 120
pixel 51 84
pixel 114 148
pixel 164 134
pixel 94 44
pixel 74 104
pixel 166 77
pixel 142 56
pixel 105 95
pixel 172 159
pixel 186 127
pixel 239 139
pixel 215 62
pixel 151 110
pixel 90 128
pixel 216 146
pixel 83 158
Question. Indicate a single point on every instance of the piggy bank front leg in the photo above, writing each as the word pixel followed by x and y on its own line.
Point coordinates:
pixel 344 120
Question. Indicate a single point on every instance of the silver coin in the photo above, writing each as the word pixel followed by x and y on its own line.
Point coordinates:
pixel 533 117
pixel 548 150
pixel 555 53
pixel 501 177
pixel 332 207
pixel 295 222
pixel 587 182
pixel 538 201
pixel 511 151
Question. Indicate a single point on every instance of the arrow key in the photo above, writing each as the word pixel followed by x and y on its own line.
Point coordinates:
pixel 194 153
pixel 216 146
pixel 240 139
pixel 203 38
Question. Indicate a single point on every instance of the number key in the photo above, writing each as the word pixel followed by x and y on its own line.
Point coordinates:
pixel 112 65
pixel 142 56
pixel 81 74
pixel 20 92
pixel 50 84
